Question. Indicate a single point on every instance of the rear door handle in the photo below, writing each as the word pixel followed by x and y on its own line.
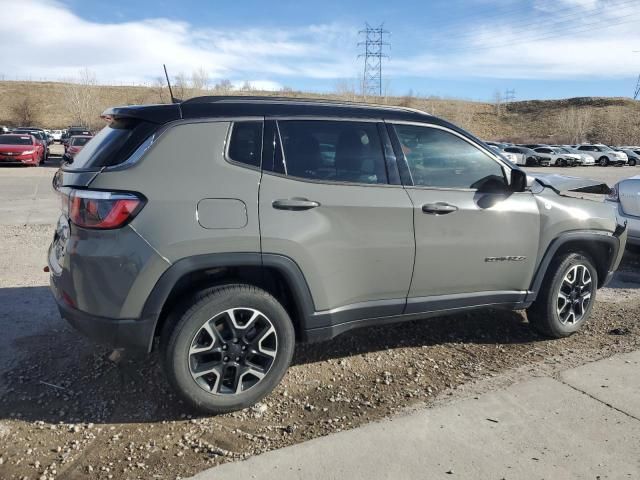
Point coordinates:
pixel 294 204
pixel 439 208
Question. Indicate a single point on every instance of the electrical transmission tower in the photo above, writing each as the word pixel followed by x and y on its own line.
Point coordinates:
pixel 509 95
pixel 636 92
pixel 374 44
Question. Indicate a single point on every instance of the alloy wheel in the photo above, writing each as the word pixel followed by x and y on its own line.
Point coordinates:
pixel 233 351
pixel 574 295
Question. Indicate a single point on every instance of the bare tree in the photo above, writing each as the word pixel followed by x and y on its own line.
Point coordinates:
pixel 200 79
pixel 223 86
pixel 181 87
pixel 346 88
pixel 575 124
pixel 81 93
pixel 24 112
pixel 158 89
pixel 246 86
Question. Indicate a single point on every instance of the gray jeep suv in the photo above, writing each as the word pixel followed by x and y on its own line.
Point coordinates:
pixel 233 227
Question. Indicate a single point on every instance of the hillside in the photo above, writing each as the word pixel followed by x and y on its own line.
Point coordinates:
pixel 608 120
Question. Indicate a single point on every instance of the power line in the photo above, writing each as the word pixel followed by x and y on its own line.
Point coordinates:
pixel 374 44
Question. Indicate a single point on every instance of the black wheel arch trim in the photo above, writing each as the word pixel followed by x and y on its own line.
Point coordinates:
pixel 156 301
pixel 607 238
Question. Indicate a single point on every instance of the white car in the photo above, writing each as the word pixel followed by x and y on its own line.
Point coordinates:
pixel 57 135
pixel 557 157
pixel 603 155
pixel 626 194
pixel 585 160
pixel 509 156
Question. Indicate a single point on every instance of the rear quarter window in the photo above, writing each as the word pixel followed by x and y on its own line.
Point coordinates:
pixel 245 143
pixel 112 145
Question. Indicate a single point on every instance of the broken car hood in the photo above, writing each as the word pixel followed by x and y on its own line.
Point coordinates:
pixel 565 183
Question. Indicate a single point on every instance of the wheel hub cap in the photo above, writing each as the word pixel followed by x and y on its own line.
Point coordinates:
pixel 574 295
pixel 233 351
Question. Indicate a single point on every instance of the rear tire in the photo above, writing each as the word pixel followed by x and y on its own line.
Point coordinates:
pixel 632 163
pixel 240 335
pixel 563 305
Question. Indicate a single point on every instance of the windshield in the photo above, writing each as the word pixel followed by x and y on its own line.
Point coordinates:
pixel 79 141
pixel 604 148
pixel 15 140
pixel 562 150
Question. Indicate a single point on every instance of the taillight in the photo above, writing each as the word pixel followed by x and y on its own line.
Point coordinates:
pixel 102 210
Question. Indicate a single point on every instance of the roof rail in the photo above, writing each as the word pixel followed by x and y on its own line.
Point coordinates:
pixel 278 99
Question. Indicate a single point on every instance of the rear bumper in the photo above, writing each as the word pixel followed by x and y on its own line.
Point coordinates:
pixel 121 333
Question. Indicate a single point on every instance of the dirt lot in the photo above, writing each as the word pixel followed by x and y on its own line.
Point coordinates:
pixel 71 409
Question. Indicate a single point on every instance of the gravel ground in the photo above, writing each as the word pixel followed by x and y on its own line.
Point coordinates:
pixel 71 409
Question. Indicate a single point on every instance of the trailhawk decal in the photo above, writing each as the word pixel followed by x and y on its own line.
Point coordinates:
pixel 506 259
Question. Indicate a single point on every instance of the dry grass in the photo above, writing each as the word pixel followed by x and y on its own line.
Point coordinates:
pixel 609 120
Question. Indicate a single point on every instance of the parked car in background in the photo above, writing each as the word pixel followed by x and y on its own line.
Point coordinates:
pixel 20 149
pixel 40 136
pixel 74 131
pixel 585 160
pixel 557 157
pixel 603 154
pixel 632 155
pixel 527 155
pixel 232 254
pixel 74 146
pixel 57 135
pixel 509 156
pixel 626 196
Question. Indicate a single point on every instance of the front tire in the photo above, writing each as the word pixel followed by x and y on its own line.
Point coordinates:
pixel 603 161
pixel 230 347
pixel 566 297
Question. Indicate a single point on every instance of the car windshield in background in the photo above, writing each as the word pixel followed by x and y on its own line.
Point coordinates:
pixel 15 140
pixel 79 141
pixel 604 148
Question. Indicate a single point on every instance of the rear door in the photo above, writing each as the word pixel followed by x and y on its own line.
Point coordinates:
pixel 326 202
pixel 475 240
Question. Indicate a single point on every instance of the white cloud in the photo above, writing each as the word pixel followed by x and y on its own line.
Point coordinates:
pixel 561 39
pixel 58 43
pixel 577 43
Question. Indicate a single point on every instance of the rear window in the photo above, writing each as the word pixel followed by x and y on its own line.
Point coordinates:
pixel 112 145
pixel 15 140
pixel 79 141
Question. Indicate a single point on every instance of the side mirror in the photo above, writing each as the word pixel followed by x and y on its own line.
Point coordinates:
pixel 518 180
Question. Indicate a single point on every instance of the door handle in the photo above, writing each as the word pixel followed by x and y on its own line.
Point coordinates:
pixel 294 204
pixel 439 208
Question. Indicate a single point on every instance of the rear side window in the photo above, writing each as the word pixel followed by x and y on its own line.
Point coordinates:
pixel 245 144
pixel 333 151
pixel 437 158
pixel 112 145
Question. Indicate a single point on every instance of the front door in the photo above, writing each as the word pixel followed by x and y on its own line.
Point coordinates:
pixel 476 242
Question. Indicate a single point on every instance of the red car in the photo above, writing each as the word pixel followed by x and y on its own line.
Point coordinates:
pixel 74 145
pixel 20 149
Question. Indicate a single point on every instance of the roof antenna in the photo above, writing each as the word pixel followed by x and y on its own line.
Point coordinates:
pixel 173 99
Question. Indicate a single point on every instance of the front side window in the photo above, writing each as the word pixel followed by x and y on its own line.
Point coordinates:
pixel 245 144
pixel 437 158
pixel 333 151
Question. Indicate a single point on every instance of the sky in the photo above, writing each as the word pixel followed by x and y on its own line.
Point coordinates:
pixel 467 49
